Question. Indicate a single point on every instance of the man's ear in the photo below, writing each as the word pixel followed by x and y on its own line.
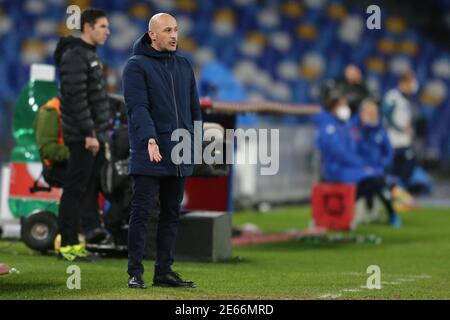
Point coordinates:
pixel 152 35
pixel 87 27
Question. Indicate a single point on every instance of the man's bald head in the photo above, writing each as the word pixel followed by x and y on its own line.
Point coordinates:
pixel 159 19
pixel 163 31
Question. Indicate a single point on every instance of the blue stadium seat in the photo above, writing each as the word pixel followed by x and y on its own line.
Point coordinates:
pixel 322 36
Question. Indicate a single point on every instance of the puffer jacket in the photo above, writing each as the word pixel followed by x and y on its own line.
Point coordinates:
pixel 85 107
pixel 161 96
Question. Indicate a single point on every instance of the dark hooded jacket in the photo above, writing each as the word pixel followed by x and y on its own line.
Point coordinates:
pixel 85 107
pixel 161 96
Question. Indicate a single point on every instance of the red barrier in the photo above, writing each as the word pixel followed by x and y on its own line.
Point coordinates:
pixel 333 205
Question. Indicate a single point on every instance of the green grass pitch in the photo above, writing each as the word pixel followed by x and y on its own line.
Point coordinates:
pixel 414 263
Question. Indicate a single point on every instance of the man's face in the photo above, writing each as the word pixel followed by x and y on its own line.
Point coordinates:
pixel 369 114
pixel 353 74
pixel 164 34
pixel 408 87
pixel 99 32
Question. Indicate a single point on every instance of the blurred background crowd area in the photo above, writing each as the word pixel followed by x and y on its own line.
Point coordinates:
pixel 251 50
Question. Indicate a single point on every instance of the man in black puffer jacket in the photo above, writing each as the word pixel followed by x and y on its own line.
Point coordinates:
pixel 85 120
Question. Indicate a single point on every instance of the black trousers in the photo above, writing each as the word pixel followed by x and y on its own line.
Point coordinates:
pixel 154 196
pixel 376 186
pixel 404 163
pixel 80 193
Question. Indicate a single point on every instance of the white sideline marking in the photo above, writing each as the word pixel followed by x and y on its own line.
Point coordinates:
pixel 421 276
pixel 365 287
pixel 352 273
pixel 406 280
pixel 398 281
pixel 351 290
pixel 330 296
pixel 390 282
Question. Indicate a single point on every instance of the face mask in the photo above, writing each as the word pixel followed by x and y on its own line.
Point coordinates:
pixel 343 113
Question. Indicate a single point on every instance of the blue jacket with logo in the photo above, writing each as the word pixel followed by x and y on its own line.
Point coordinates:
pixel 372 144
pixel 161 96
pixel 340 161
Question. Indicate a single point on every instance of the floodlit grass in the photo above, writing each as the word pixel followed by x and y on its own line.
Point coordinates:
pixel 414 262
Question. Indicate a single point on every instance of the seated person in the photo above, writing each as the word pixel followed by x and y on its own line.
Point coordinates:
pixel 372 144
pixel 340 160
pixel 54 155
pixel 372 141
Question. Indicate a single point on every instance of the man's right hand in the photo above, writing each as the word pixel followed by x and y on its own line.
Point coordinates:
pixel 153 151
pixel 92 145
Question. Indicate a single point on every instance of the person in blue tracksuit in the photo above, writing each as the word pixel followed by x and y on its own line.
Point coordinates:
pixel 371 138
pixel 161 96
pixel 374 147
pixel 341 161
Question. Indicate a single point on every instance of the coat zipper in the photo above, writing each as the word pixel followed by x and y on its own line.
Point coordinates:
pixel 179 173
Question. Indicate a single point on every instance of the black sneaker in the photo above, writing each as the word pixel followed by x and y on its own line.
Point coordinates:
pixel 136 282
pixel 172 279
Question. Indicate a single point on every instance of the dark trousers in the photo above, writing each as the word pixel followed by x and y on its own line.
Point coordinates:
pixel 376 186
pixel 80 193
pixel 153 196
pixel 403 164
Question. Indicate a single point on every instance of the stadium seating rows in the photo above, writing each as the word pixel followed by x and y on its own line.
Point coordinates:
pixel 280 51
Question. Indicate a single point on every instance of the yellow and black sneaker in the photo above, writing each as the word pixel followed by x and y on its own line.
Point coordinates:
pixel 76 253
pixel 66 253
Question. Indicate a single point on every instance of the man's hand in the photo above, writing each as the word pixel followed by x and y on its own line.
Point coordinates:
pixel 92 145
pixel 153 151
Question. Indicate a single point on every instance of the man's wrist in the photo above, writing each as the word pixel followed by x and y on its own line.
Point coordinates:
pixel 151 141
